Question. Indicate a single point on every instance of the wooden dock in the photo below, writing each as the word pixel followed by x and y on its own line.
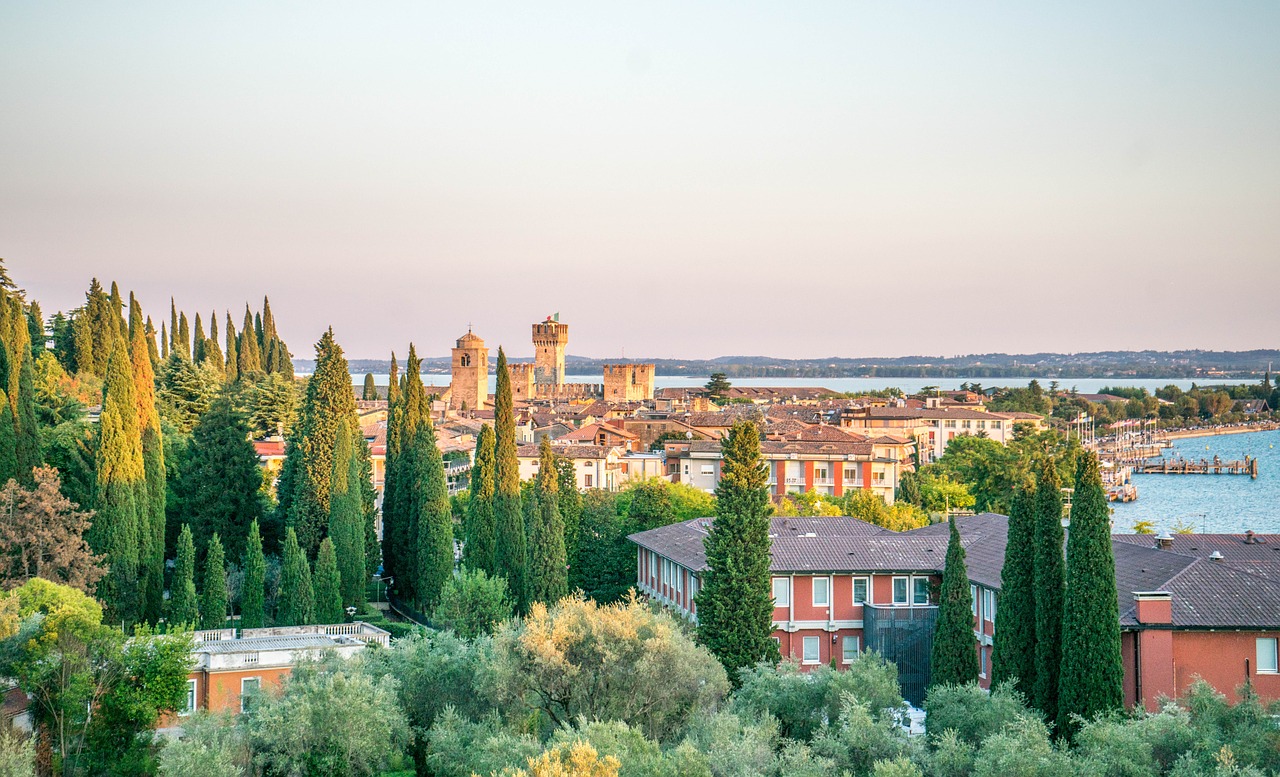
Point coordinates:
pixel 1215 466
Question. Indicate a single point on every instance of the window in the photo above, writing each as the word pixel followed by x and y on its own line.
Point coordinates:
pixel 900 590
pixel 973 595
pixel 1267 663
pixel 821 472
pixel 949 424
pixel 860 589
pixel 781 592
pixel 248 687
pixel 919 590
pixel 811 647
pixel 653 566
pixel 821 591
pixel 190 705
pixel 880 477
pixel 587 482
pixel 989 604
pixel 849 649
pixel 693 587
pixel 982 662
pixel 679 579
pixel 851 474
pixel 708 469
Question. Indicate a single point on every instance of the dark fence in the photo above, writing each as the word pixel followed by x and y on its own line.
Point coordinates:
pixel 903 635
pixel 407 612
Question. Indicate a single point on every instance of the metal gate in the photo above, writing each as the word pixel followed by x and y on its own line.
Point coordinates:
pixel 903 635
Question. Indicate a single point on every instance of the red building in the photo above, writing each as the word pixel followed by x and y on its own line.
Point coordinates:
pixel 1204 606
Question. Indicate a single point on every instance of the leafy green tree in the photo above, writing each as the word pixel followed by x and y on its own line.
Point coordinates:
pixel 954 660
pixel 603 566
pixel 1014 652
pixel 735 603
pixel 220 484
pixel 479 548
pixel 1092 678
pixel 273 406
pixel 510 544
pixel 328 585
pixel 329 403
pixel 252 609
pixel 186 391
pixel 211 746
pixel 120 478
pixel 328 722
pixel 1049 582
pixel 548 575
pixel 370 388
pixel 346 518
pixel 651 505
pixel 184 605
pixel 297 599
pixel 213 586
pixel 717 386
pixel 473 604
pixel 971 712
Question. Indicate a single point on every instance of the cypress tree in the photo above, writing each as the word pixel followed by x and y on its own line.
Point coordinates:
pixel 297 600
pixel 117 312
pixel 329 402
pixel 39 341
pixel 328 586
pixel 233 370
pixel 406 478
pixel 149 330
pixel 103 328
pixel 346 518
pixel 1013 655
pixel 570 502
pixel 369 504
pixel 173 327
pixel 1092 679
pixel 435 518
pixel 954 660
pixel 735 604
pixel 391 530
pixel 213 351
pixel 27 427
pixel 509 540
pixel 548 569
pixel 199 342
pixel 219 485
pixel 184 606
pixel 184 337
pixel 252 613
pixel 1049 582
pixel 213 588
pixel 257 331
pixel 479 550
pixel 152 492
pixel 82 336
pixel 8 440
pixel 370 388
pixel 120 478
pixel 164 341
pixel 249 361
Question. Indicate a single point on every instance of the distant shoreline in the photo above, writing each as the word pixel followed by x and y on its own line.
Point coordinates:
pixel 1187 434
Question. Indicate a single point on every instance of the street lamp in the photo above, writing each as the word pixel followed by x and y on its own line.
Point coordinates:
pixel 351 613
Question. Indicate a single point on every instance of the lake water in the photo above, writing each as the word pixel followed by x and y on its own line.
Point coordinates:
pixel 1212 503
pixel 908 385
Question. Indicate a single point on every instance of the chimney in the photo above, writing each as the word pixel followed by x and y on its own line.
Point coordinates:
pixel 1164 541
pixel 1153 606
pixel 1249 538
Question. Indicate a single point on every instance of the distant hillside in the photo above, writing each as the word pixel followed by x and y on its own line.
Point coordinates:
pixel 1101 364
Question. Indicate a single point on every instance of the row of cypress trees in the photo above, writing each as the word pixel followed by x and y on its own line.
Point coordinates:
pixel 1057 630
pixel 19 428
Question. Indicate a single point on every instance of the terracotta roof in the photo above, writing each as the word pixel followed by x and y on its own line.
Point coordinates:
pixel 268 448
pixel 589 432
pixel 568 451
pixel 824 433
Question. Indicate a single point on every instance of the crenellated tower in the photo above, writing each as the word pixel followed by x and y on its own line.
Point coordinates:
pixel 549 340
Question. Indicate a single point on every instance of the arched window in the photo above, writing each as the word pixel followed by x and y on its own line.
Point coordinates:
pixel 464 360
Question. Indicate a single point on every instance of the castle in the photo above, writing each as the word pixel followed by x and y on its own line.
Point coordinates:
pixel 544 379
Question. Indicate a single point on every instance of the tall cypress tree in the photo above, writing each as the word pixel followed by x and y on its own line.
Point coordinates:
pixel 173 328
pixel 103 329
pixel 346 517
pixel 1013 655
pixel 548 569
pixel 184 606
pixel 735 604
pixel 1049 579
pixel 164 341
pixel 82 337
pixel 8 439
pixel 954 660
pixel 389 481
pixel 509 539
pixel 213 587
pixel 39 340
pixel 117 312
pixel 570 502
pixel 435 518
pixel 480 530
pixel 26 426
pixel 329 402
pixel 152 493
pixel 184 336
pixel 212 350
pixel 406 478
pixel 296 603
pixel 120 478
pixel 253 591
pixel 250 362
pixel 149 330
pixel 233 367
pixel 1092 679
pixel 369 503
pixel 328 585
pixel 370 388
pixel 199 342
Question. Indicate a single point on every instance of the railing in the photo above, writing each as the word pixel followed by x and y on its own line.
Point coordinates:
pixel 903 635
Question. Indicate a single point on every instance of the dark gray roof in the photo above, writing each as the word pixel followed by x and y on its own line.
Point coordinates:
pixel 1256 553
pixel 984 536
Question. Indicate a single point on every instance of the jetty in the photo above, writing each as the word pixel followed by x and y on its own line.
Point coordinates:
pixel 1215 466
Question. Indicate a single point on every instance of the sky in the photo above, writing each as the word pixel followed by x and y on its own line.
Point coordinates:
pixel 676 179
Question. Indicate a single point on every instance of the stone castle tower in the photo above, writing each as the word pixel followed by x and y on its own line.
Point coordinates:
pixel 549 340
pixel 628 382
pixel 470 387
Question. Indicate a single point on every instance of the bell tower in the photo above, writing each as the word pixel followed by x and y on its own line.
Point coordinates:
pixel 470 386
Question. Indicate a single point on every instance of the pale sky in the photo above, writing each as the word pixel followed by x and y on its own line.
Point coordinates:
pixel 677 179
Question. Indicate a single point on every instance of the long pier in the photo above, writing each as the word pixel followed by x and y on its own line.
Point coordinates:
pixel 1215 466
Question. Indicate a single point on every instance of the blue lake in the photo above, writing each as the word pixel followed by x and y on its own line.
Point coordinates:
pixel 1212 503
